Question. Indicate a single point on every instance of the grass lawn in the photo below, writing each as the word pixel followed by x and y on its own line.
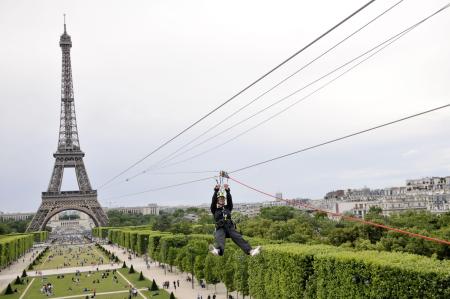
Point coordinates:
pixel 66 256
pixel 134 279
pixel 67 287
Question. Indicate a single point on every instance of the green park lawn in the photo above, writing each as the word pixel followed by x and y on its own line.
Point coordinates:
pixel 66 287
pixel 68 256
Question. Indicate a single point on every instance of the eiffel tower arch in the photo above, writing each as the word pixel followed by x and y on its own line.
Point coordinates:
pixel 68 155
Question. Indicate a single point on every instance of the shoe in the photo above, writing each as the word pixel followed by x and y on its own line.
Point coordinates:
pixel 213 250
pixel 255 251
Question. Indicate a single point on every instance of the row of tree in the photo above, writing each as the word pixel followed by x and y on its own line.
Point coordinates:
pixel 295 270
pixel 14 246
pixel 286 224
pixel 13 226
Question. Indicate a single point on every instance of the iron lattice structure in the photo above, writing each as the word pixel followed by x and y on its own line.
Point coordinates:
pixel 68 155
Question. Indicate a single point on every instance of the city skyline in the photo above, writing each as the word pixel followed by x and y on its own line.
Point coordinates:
pixel 276 195
pixel 144 72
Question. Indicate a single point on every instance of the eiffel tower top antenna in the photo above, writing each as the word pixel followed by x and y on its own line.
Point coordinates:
pixel 64 23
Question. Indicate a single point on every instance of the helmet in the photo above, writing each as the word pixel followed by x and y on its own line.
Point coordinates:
pixel 221 194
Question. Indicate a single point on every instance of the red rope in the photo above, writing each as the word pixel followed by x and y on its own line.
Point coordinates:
pixel 349 218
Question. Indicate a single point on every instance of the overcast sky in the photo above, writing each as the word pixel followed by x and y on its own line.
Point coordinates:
pixel 145 70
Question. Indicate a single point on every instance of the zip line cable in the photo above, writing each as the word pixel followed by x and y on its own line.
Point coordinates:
pixel 314 146
pixel 386 43
pixel 349 218
pixel 340 138
pixel 292 153
pixel 173 155
pixel 172 173
pixel 184 172
pixel 161 188
pixel 240 92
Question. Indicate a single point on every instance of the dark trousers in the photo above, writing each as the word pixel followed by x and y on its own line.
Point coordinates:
pixel 228 230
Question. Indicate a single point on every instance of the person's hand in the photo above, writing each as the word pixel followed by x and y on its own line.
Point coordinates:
pixel 217 188
pixel 226 187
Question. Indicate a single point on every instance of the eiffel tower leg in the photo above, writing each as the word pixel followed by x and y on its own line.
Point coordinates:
pixel 57 176
pixel 38 219
pixel 82 177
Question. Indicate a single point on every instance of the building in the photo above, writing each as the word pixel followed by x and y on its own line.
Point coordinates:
pixel 426 194
pixel 274 203
pixel 251 209
pixel 15 216
pixel 335 194
pixel 356 208
pixel 191 217
pixel 150 209
pixel 429 183
pixel 71 219
pixel 439 203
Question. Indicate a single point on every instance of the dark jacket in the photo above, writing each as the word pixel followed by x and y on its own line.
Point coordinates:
pixel 221 213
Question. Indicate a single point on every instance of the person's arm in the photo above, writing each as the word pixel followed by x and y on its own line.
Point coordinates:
pixel 214 200
pixel 229 205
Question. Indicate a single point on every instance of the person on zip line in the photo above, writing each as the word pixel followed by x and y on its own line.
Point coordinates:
pixel 221 207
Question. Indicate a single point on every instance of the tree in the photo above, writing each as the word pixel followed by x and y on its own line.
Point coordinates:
pixel 13 226
pixel 227 273
pixel 320 215
pixel 131 271
pixel 24 273
pixel 18 280
pixel 154 286
pixel 279 230
pixel 171 256
pixel 178 213
pixel 210 270
pixel 162 223
pixel 194 248
pixel 280 213
pixel 124 265
pixel 180 258
pixel 241 272
pixel 172 296
pixel 69 217
pixel 181 227
pixel 342 235
pixel 141 277
pixel 116 218
pixel 255 227
pixel 9 290
pixel 198 267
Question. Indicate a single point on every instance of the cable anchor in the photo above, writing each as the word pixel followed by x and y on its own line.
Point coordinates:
pixel 224 174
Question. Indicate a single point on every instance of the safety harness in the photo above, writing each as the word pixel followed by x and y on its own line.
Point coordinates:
pixel 226 215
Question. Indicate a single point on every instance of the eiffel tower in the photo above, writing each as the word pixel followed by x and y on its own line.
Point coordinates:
pixel 68 155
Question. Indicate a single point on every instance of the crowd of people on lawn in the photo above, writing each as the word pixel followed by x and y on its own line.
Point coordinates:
pixel 76 256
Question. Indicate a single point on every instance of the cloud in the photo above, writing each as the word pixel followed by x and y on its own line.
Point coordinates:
pixel 411 152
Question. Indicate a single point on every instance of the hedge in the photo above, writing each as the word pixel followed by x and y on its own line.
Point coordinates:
pixel 14 246
pixel 100 232
pixel 297 270
pixel 139 239
pixel 320 271
pixel 40 236
pixel 153 244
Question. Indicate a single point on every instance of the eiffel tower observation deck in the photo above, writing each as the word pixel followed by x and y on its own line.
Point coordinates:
pixel 68 155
